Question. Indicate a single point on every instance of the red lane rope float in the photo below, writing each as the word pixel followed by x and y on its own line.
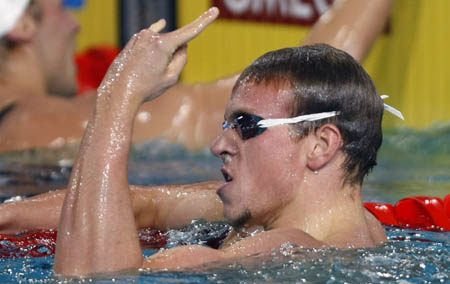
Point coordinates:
pixel 419 212
pixel 447 205
pixel 34 244
pixel 43 243
pixel 92 66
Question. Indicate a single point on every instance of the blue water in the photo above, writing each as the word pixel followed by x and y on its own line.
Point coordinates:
pixel 410 163
pixel 410 256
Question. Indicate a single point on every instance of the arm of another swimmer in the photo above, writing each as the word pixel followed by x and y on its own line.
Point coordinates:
pixel 157 207
pixel 351 25
pixel 35 213
pixel 97 231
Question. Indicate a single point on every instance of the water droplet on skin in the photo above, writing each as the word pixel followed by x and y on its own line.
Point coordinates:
pixel 144 116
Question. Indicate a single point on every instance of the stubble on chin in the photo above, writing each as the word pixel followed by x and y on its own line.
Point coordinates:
pixel 240 221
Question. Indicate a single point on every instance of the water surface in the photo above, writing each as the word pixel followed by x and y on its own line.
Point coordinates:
pixel 410 163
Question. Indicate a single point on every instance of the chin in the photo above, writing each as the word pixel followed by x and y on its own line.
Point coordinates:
pixel 66 89
pixel 239 220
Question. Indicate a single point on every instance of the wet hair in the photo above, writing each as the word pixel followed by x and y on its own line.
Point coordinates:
pixel 6 44
pixel 322 79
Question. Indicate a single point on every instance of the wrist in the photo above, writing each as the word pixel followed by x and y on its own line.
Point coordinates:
pixel 118 102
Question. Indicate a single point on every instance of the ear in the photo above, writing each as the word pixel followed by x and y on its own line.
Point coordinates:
pixel 24 29
pixel 326 142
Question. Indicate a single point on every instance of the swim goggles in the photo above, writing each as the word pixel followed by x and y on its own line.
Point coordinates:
pixel 249 125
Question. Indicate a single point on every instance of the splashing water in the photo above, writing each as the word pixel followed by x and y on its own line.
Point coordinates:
pixel 409 256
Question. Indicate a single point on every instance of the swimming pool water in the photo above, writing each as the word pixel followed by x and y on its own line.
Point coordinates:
pixel 410 163
pixel 409 257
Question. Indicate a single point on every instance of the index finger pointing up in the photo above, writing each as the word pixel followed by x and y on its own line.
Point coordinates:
pixel 192 30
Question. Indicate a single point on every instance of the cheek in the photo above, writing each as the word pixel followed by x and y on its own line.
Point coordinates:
pixel 258 164
pixel 272 166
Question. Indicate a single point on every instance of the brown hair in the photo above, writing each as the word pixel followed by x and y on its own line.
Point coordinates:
pixel 325 79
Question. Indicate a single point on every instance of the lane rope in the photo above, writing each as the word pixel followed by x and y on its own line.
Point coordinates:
pixel 418 213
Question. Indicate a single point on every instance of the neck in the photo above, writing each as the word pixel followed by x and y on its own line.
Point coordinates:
pixel 21 76
pixel 332 209
pixel 323 205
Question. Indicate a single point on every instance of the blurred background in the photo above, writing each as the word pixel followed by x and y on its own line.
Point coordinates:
pixel 410 61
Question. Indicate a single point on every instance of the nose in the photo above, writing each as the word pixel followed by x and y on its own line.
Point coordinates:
pixel 73 22
pixel 76 25
pixel 225 143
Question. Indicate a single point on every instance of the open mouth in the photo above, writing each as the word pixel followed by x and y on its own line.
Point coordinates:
pixel 226 176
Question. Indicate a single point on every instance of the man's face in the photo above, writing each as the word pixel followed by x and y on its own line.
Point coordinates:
pixel 265 171
pixel 55 44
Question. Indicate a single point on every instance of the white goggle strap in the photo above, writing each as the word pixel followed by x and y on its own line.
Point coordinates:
pixel 392 110
pixel 265 123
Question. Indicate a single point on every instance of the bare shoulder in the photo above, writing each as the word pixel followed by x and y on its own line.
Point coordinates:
pixel 273 239
pixel 191 256
pixel 183 257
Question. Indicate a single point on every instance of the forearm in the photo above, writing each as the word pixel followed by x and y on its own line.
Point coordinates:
pixel 170 207
pixel 351 25
pixel 36 213
pixel 97 215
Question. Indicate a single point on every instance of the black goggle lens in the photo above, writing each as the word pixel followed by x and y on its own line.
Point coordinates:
pixel 246 125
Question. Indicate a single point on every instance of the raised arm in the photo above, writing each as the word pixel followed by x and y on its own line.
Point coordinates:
pixel 351 25
pixel 97 231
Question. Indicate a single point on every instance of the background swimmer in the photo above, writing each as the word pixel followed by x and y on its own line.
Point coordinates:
pixel 40 47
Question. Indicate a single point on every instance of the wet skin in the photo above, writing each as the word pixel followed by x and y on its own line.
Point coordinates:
pixel 100 172
pixel 98 215
pixel 148 65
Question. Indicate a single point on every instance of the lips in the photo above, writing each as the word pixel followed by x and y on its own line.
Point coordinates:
pixel 226 175
pixel 221 190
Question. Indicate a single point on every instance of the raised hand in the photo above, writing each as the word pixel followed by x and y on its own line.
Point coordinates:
pixel 152 62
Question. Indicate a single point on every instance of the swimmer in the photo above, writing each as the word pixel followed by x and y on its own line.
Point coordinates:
pixel 37 104
pixel 300 133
